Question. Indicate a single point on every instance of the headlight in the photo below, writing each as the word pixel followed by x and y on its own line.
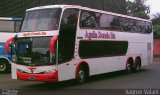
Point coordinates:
pixel 19 70
pixel 49 72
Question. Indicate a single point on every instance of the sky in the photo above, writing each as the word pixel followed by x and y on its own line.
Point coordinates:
pixel 154 6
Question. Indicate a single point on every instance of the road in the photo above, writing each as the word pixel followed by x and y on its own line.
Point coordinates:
pixel 147 78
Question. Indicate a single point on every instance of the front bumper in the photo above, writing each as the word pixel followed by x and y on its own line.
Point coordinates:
pixel 51 77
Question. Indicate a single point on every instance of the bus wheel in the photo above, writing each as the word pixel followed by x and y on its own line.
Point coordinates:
pixel 129 67
pixel 138 65
pixel 82 75
pixel 3 67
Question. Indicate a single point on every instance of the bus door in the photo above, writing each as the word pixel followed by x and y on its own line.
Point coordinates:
pixel 66 44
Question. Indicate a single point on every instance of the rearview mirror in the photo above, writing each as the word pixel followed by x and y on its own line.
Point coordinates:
pixel 7 44
pixel 52 43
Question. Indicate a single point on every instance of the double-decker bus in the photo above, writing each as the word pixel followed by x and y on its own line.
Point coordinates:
pixel 8 28
pixel 63 42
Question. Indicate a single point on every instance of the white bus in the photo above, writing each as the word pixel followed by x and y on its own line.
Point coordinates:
pixel 8 28
pixel 63 42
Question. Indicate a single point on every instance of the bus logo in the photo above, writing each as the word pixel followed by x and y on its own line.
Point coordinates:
pixel 34 34
pixel 32 69
pixel 100 35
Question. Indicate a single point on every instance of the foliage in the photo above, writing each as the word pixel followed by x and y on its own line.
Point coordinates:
pixel 156 25
pixel 138 8
pixel 156 19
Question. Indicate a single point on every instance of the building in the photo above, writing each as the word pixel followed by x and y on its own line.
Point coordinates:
pixel 16 8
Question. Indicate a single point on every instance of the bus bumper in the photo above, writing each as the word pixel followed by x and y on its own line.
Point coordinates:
pixel 51 77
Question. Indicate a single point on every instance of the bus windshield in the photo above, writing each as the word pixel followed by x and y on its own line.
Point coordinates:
pixel 34 51
pixel 41 20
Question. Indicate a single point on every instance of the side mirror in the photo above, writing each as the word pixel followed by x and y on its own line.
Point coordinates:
pixel 7 44
pixel 52 43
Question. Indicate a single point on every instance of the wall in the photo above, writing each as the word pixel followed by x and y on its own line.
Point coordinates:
pixel 157 47
pixel 16 8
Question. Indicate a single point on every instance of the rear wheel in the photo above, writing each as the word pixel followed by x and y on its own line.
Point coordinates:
pixel 138 65
pixel 3 67
pixel 82 75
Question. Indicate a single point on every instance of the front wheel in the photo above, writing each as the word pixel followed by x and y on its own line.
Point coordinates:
pixel 3 67
pixel 82 75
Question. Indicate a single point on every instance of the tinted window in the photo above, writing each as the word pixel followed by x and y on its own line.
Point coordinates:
pixel 115 23
pixel 89 19
pixel 33 51
pixel 96 20
pixel 88 49
pixel 41 20
pixel 7 26
pixel 17 26
pixel 67 34
pixel 127 24
pixel 148 27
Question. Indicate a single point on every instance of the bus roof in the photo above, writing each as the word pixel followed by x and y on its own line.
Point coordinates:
pixel 5 18
pixel 53 6
pixel 10 18
pixel 85 8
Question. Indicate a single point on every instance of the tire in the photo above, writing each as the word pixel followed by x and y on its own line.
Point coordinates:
pixel 82 75
pixel 138 65
pixel 128 69
pixel 3 67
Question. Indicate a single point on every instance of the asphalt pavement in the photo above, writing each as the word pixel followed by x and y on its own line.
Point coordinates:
pixel 110 83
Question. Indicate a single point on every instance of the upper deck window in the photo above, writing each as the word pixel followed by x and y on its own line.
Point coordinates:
pixel 89 19
pixel 104 21
pixel 42 20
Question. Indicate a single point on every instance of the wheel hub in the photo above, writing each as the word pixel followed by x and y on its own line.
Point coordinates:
pixel 2 67
pixel 81 74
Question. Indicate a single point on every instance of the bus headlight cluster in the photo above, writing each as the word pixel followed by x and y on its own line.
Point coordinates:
pixel 19 70
pixel 49 71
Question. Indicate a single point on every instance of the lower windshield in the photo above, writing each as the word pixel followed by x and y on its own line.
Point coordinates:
pixel 41 20
pixel 34 51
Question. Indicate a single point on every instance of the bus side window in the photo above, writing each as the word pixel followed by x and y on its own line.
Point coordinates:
pixel 90 19
pixel 67 34
pixel 148 27
pixel 17 26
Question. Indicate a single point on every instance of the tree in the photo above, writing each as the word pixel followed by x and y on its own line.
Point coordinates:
pixel 156 25
pixel 156 19
pixel 138 8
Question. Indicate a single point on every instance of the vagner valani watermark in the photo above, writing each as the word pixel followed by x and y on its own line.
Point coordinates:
pixel 9 92
pixel 142 92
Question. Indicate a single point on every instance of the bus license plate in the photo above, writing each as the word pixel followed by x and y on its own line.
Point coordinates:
pixel 32 78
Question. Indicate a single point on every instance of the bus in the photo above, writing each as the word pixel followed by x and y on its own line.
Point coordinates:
pixel 64 42
pixel 8 28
